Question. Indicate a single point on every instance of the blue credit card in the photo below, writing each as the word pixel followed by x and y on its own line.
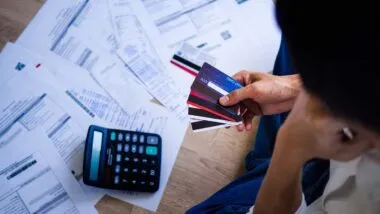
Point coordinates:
pixel 215 80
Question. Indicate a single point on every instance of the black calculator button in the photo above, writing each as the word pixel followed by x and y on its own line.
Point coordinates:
pixel 134 181
pixel 120 137
pixel 144 172
pixel 142 183
pixel 124 181
pixel 141 149
pixel 113 136
pixel 144 160
pixel 135 160
pixel 153 162
pixel 135 171
pixel 134 148
pixel 127 137
pixel 117 168
pixel 116 180
pixel 152 183
pixel 119 147
pixel 127 159
pixel 126 148
pixel 134 138
pixel 118 157
pixel 126 169
pixel 153 140
pixel 142 138
pixel 152 172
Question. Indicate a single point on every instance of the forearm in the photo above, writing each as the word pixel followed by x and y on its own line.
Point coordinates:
pixel 281 190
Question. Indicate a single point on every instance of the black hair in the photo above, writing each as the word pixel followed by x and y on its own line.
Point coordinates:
pixel 335 46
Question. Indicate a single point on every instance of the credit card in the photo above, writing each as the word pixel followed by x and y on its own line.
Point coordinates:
pixel 196 113
pixel 191 59
pixel 207 125
pixel 213 108
pixel 211 84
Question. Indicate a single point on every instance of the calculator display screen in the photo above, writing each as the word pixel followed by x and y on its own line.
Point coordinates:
pixel 95 155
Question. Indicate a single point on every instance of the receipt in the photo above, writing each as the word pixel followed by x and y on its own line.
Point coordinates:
pixel 142 59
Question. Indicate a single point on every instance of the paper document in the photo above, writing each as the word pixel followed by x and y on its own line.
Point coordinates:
pixel 35 105
pixel 34 179
pixel 91 96
pixel 215 27
pixel 78 85
pixel 95 22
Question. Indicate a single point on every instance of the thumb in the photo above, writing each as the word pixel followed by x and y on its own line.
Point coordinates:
pixel 237 96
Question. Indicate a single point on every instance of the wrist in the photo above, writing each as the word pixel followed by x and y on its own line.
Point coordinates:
pixel 295 84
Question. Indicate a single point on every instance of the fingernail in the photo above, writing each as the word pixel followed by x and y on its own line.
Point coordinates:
pixel 241 126
pixel 249 126
pixel 224 100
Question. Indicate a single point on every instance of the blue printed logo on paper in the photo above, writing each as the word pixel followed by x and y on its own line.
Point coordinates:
pixel 20 66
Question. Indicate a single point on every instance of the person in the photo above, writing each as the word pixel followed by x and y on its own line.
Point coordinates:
pixel 326 75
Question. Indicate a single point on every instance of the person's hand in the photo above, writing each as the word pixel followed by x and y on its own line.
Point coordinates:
pixel 310 131
pixel 262 94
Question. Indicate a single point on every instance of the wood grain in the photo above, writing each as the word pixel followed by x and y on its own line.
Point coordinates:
pixel 206 162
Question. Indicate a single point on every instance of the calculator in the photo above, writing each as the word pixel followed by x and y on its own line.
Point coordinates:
pixel 122 160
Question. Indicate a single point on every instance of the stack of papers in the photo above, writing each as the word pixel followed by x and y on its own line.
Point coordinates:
pixel 109 63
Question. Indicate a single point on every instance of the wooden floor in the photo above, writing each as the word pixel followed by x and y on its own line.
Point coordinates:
pixel 206 162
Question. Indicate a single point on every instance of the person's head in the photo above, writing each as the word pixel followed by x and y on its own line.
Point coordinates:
pixel 335 46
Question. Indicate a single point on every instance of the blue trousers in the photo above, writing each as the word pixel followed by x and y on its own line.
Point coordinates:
pixel 240 195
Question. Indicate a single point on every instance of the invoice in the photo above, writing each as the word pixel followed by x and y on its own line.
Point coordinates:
pixel 34 179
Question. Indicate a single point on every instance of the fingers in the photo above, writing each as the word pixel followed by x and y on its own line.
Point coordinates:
pixel 237 96
pixel 248 117
pixel 246 77
pixel 247 122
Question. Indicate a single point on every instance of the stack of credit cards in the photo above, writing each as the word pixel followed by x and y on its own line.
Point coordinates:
pixel 205 112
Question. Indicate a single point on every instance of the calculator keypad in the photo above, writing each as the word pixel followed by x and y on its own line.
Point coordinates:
pixel 136 164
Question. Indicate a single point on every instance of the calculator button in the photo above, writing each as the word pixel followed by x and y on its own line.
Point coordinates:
pixel 120 137
pixel 134 138
pixel 153 162
pixel 144 172
pixel 116 179
pixel 124 181
pixel 126 169
pixel 142 138
pixel 134 181
pixel 127 159
pixel 127 137
pixel 119 147
pixel 151 150
pixel 141 149
pixel 135 171
pixel 113 136
pixel 134 148
pixel 144 160
pixel 126 148
pixel 142 183
pixel 118 158
pixel 151 183
pixel 136 160
pixel 153 140
pixel 152 172
pixel 117 168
